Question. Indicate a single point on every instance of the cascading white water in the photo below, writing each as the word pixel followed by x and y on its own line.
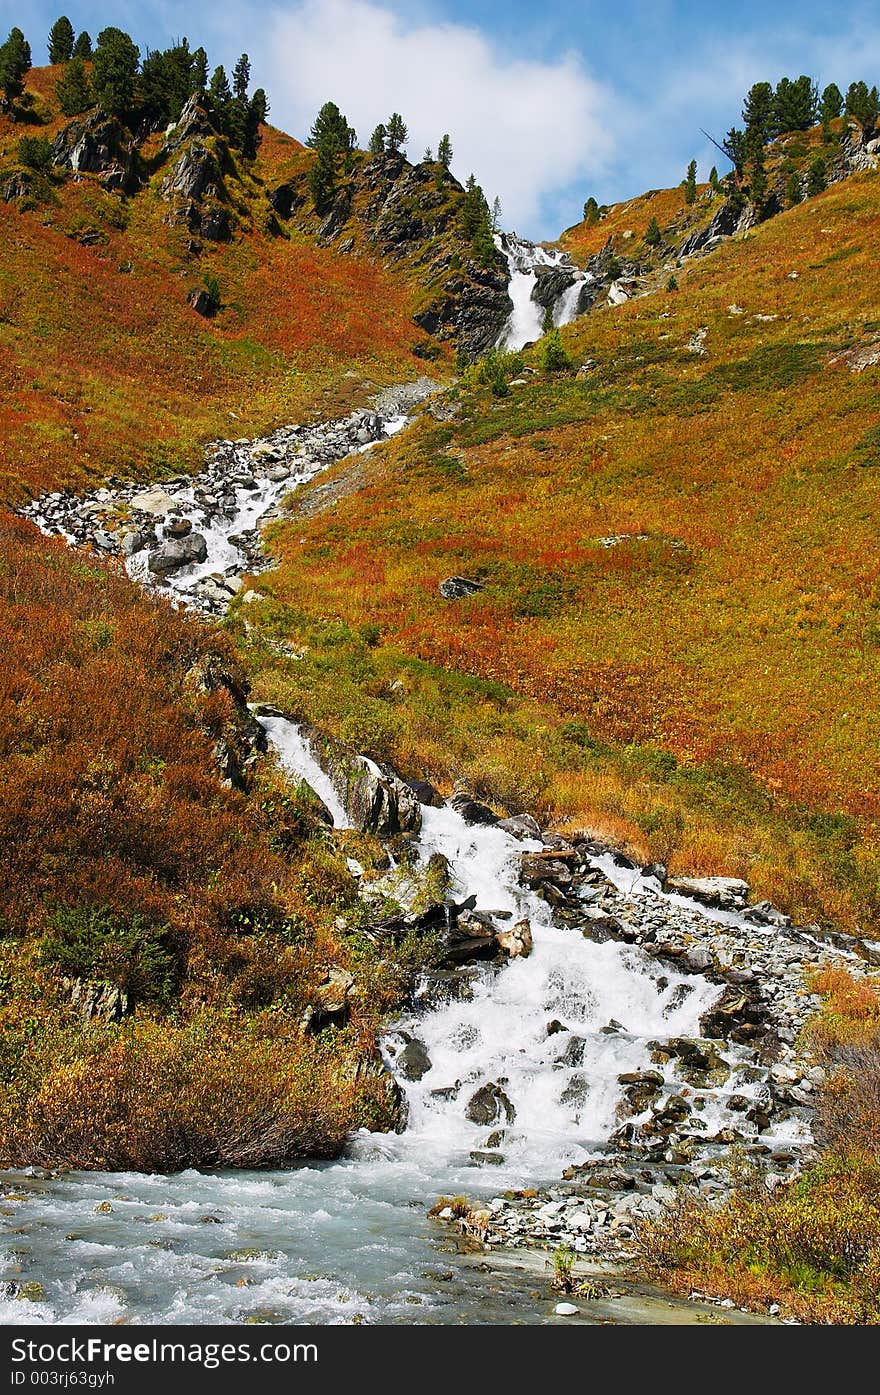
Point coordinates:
pixel 527 317
pixel 563 1088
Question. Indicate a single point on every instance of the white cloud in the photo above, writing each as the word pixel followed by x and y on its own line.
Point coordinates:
pixel 525 127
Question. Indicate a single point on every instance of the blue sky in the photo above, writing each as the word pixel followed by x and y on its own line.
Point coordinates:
pixel 547 103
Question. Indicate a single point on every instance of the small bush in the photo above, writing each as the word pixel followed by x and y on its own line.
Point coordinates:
pixel 35 152
pixel 553 356
pixel 93 944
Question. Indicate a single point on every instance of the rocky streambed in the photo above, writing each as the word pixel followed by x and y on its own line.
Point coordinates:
pixel 592 1035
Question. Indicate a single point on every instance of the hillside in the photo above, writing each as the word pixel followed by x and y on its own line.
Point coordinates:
pixel 675 639
pixel 105 364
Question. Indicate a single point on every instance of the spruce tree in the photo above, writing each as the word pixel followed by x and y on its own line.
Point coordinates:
pixel 377 140
pixel 690 184
pixel 241 78
pixel 199 72
pixel 817 177
pixel 831 106
pixel 496 214
pixel 794 105
pixel 15 61
pixel 322 177
pixel 397 133
pixel 114 72
pixel 61 40
pixel 444 151
pixel 83 46
pixel 330 129
pixel 714 181
pixel 653 236
pixel 757 112
pixel 73 89
pixel 220 93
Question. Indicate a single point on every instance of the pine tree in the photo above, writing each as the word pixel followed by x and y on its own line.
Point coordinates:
pixel 428 157
pixel 793 192
pixel 862 105
pixel 817 177
pixel 165 84
pixel 220 93
pixel 758 179
pixel 690 184
pixel 714 181
pixel 444 151
pixel 255 117
pixel 322 177
pixel 653 236
pixel 830 107
pixel 15 61
pixel 73 89
pixel 199 72
pixel 397 133
pixel 757 112
pixel 496 214
pixel 377 140
pixel 61 40
pixel 591 212
pixel 83 46
pixel 794 105
pixel 476 223
pixel 115 68
pixel 735 149
pixel 331 130
pixel 241 78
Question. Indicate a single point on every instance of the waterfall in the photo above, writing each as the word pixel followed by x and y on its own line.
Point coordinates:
pixel 527 316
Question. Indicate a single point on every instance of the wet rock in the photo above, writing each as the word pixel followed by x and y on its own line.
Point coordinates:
pixel 425 793
pixel 413 1061
pixel 517 941
pixel 490 1105
pixel 170 556
pixel 471 810
pixel 537 869
pixel 377 801
pixel 178 527
pixel 521 826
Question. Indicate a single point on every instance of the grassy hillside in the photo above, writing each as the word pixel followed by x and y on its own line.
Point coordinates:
pixel 677 639
pixel 105 367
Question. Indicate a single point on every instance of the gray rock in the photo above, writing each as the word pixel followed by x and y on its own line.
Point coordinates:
pixel 489 1105
pixel 413 1061
pixel 175 553
pixel 455 588
pixel 726 893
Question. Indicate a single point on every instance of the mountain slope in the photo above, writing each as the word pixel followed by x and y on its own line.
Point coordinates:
pixel 676 639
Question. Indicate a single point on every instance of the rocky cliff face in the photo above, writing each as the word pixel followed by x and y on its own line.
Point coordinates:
pixel 409 216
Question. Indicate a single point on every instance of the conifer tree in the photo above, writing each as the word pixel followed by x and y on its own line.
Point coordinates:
pixel 862 105
pixel 397 134
pixel 331 130
pixel 15 61
pixel 83 46
pixel 444 151
pixel 591 211
pixel 322 177
pixel 61 41
pixel 690 184
pixel 219 92
pixel 817 177
pixel 73 89
pixel 115 68
pixel 757 112
pixel 830 107
pixel 377 140
pixel 735 150
pixel 793 192
pixel 794 105
pixel 653 236
pixel 714 181
pixel 255 117
pixel 496 214
pixel 428 157
pixel 199 71
pixel 241 78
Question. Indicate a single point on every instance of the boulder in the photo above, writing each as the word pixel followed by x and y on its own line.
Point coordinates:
pixel 455 588
pixel 175 553
pixel 425 793
pixel 155 501
pixel 724 893
pixel 177 527
pixel 201 302
pixel 377 801
pixel 490 1105
pixel 471 810
pixel 521 826
pixel 413 1061
pixel 517 941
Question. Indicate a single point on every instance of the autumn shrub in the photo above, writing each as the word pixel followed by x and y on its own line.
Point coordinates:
pixel 159 1096
pixel 93 944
